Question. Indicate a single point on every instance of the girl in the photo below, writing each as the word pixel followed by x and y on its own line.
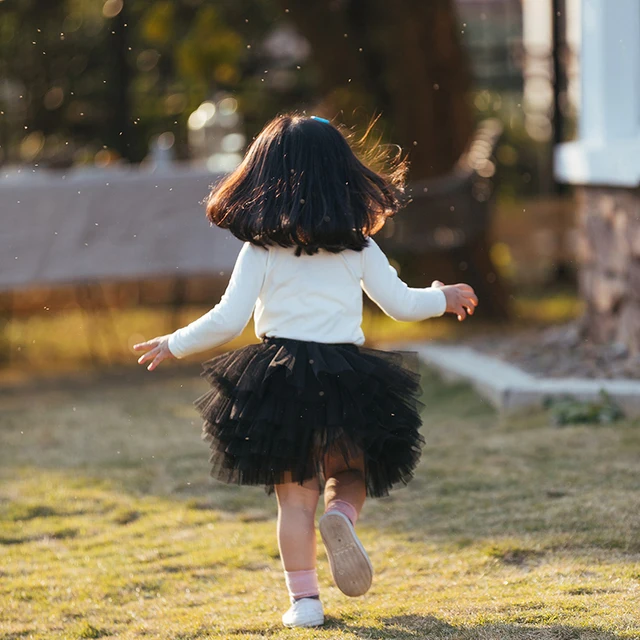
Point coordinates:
pixel 309 409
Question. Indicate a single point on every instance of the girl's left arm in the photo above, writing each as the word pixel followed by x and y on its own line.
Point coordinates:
pixel 222 323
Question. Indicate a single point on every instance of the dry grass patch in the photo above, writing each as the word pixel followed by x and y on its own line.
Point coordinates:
pixel 110 527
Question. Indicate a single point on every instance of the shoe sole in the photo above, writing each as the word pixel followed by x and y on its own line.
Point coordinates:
pixel 350 565
pixel 309 622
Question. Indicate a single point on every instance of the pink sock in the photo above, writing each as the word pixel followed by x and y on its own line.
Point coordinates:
pixel 302 584
pixel 345 508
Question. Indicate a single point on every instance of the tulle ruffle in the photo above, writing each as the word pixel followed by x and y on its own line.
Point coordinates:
pixel 275 409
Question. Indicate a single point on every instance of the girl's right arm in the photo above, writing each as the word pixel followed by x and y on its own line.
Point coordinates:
pixel 222 323
pixel 381 283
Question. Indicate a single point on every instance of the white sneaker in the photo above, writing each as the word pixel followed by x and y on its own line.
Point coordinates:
pixel 350 565
pixel 306 612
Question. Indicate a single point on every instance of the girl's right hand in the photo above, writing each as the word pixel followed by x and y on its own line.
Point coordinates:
pixel 461 298
pixel 157 351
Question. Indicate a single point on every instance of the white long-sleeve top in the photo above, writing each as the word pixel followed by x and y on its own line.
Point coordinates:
pixel 315 298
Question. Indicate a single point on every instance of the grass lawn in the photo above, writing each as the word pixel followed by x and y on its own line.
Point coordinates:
pixel 111 527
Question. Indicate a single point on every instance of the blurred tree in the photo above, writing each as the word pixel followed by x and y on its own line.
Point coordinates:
pixel 184 52
pixel 114 73
pixel 405 60
pixel 76 77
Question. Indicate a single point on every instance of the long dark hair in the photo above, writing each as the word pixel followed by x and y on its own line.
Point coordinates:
pixel 301 185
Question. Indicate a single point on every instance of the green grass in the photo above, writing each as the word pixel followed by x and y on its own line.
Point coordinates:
pixel 111 528
pixel 547 307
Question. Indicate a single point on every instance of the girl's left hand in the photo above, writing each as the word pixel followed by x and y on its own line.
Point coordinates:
pixel 157 351
pixel 461 298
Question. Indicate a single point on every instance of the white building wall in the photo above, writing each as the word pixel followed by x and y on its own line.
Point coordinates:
pixel 607 151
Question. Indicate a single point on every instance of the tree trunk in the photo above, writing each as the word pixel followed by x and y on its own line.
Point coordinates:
pixel 120 123
pixel 609 255
pixel 405 60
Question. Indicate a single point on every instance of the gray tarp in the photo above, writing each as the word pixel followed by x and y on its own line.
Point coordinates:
pixel 110 225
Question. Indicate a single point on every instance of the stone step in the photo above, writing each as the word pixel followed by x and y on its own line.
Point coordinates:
pixel 507 387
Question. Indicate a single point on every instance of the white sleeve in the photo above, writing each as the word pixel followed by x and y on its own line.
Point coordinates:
pixel 381 283
pixel 231 315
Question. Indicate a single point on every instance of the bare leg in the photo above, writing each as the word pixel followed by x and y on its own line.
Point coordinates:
pixel 297 542
pixel 344 481
pixel 296 524
pixel 345 491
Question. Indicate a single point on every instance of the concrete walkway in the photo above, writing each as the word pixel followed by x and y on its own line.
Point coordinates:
pixel 508 387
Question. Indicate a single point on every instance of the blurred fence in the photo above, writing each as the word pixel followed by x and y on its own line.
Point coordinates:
pixel 445 227
pixel 123 226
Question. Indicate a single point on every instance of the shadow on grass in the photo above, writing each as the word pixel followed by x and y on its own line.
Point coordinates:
pixel 417 627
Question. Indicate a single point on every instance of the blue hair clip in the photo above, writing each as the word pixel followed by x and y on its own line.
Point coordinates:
pixel 320 119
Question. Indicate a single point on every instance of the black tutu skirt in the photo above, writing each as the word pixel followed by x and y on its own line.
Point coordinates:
pixel 276 408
